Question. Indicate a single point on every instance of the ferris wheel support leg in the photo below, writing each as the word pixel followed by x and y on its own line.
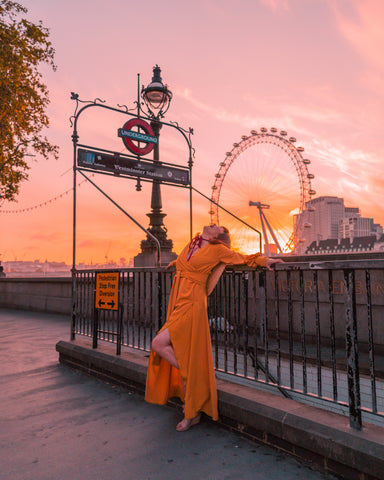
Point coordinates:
pixel 272 233
pixel 267 250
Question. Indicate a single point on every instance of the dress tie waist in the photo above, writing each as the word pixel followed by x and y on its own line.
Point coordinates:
pixel 199 278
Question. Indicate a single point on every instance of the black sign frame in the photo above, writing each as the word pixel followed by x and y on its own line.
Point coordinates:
pixel 129 166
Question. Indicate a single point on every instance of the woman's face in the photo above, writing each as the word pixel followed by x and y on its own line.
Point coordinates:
pixel 212 231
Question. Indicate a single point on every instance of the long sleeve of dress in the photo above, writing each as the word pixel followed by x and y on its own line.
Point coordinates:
pixel 230 257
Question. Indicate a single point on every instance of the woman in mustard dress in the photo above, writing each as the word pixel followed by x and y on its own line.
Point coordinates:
pixel 181 362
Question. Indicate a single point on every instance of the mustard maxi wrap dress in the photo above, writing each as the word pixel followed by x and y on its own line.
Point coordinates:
pixel 187 323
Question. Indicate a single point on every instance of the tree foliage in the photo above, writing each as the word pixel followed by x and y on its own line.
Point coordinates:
pixel 24 46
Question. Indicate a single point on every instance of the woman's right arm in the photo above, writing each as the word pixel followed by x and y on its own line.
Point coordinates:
pixel 172 264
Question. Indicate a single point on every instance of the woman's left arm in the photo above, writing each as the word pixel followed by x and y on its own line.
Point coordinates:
pixel 228 256
pixel 271 262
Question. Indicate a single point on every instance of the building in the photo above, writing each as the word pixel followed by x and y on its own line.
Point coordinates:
pixel 345 245
pixel 351 227
pixel 319 221
pixel 327 219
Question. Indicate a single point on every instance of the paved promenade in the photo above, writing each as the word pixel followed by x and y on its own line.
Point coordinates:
pixel 56 423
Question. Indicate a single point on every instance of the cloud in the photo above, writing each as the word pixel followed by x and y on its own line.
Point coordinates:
pixel 276 5
pixel 306 118
pixel 338 156
pixel 361 24
pixel 89 243
pixel 220 114
pixel 378 183
pixel 316 113
pixel 346 187
pixel 47 237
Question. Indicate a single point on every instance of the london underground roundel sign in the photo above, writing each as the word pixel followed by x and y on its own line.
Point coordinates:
pixel 130 136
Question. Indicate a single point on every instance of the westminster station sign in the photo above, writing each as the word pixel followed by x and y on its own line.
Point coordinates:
pixel 126 166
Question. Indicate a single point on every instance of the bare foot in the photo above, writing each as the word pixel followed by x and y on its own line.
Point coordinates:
pixel 187 423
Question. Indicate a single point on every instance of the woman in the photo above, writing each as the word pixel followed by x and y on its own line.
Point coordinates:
pixel 181 363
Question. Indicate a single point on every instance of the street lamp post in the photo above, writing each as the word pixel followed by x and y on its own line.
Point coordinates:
pixel 157 99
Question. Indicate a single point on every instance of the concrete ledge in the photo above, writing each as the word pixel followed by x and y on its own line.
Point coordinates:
pixel 128 369
pixel 43 294
pixel 320 437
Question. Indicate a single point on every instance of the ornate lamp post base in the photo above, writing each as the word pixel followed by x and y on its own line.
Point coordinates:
pixel 157 98
pixel 148 256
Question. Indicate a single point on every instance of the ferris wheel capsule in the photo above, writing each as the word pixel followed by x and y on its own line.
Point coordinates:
pixel 235 145
pixel 300 149
pixel 312 192
pixel 292 139
pixel 263 130
pixel 253 132
pixel 244 137
pixel 283 133
pixel 306 161
pixel 228 154
pixel 310 176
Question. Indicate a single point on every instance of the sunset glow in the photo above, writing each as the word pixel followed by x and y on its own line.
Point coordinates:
pixel 311 68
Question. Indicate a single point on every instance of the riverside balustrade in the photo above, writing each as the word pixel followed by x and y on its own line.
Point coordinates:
pixel 314 330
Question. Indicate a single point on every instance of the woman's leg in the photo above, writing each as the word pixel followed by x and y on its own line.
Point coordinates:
pixel 162 345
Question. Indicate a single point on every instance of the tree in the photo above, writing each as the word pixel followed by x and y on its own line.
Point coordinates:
pixel 23 96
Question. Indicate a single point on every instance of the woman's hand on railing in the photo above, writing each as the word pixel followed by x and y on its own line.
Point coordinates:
pixel 172 264
pixel 271 262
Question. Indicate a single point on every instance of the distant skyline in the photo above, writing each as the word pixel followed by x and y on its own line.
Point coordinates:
pixel 311 67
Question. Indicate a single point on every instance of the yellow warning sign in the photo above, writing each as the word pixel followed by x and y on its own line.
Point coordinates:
pixel 107 290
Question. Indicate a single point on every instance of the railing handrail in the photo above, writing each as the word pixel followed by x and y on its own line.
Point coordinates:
pixel 374 264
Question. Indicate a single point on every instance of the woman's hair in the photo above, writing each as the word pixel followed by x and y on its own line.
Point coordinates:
pixel 222 238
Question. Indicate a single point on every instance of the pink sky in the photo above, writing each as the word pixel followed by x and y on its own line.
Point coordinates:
pixel 311 67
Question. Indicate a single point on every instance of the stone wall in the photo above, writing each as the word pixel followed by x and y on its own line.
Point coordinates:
pixel 51 295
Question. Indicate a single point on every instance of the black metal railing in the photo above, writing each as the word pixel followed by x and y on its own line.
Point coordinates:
pixel 315 331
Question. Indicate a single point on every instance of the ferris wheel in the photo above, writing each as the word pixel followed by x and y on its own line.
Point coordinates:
pixel 265 182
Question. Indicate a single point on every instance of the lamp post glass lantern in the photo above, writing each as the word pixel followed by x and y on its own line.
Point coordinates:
pixel 156 95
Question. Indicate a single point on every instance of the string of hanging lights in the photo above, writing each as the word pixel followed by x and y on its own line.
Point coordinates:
pixel 43 204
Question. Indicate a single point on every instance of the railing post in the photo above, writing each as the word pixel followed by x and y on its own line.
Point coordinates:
pixel 119 339
pixel 262 305
pixel 74 304
pixel 95 327
pixel 160 299
pixel 352 350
